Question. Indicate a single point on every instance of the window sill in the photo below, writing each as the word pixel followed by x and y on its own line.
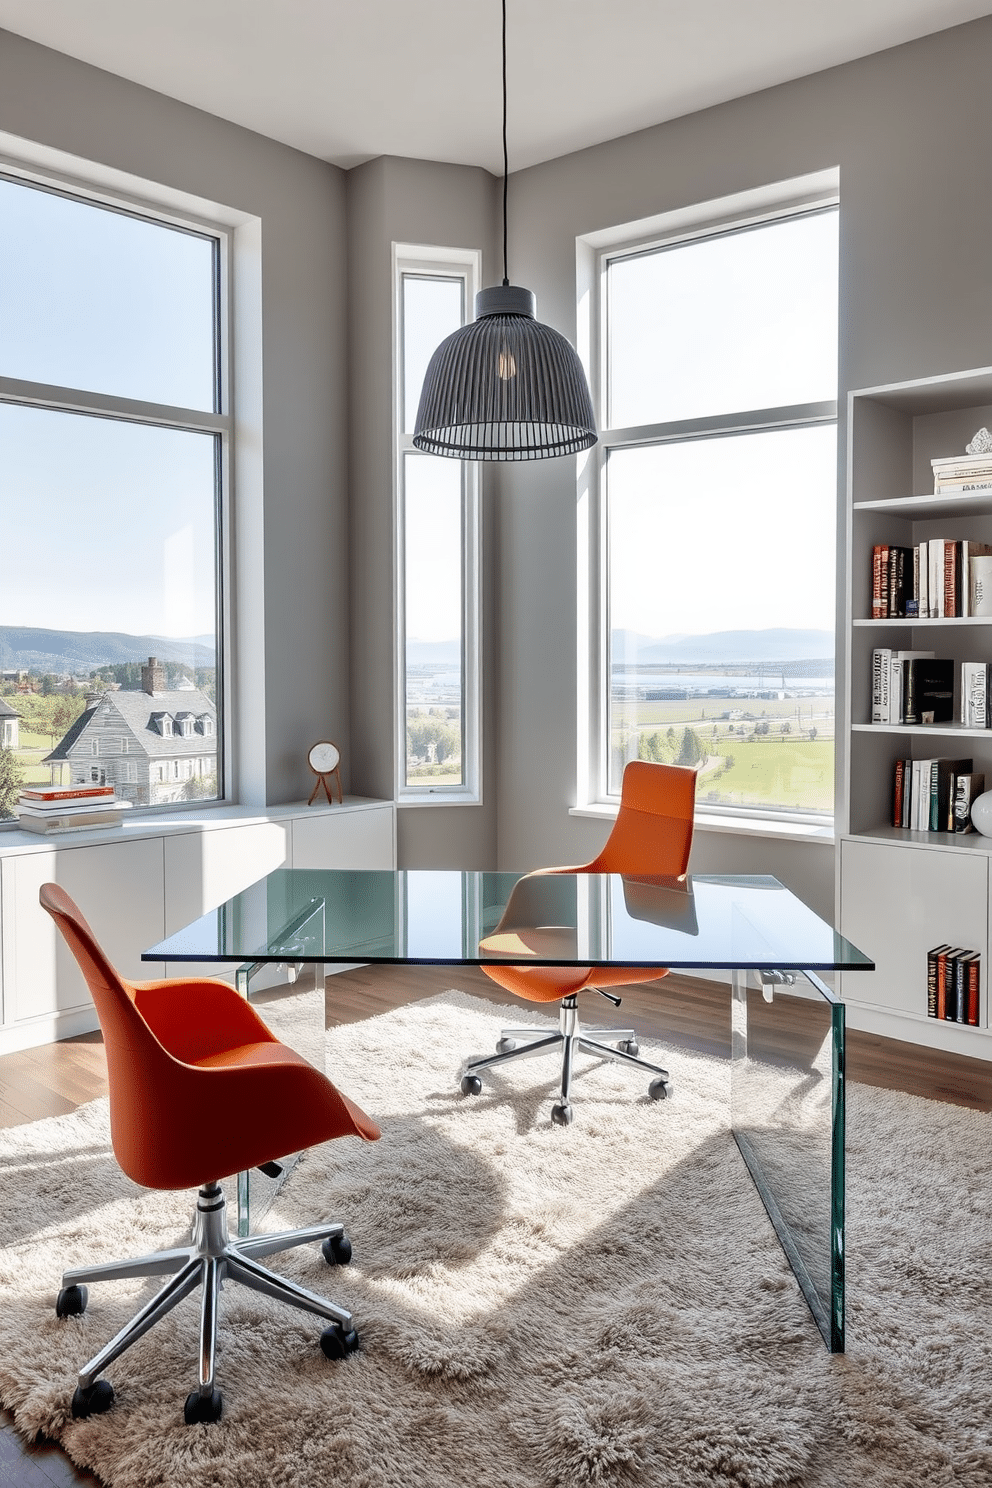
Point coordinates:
pixel 742 826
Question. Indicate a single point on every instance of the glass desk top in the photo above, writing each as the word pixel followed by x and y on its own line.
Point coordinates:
pixel 481 918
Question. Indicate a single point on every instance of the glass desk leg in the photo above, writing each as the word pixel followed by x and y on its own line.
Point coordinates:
pixel 787 1115
pixel 295 1013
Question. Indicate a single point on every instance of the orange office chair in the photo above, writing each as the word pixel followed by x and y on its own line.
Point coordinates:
pixel 200 1089
pixel 651 838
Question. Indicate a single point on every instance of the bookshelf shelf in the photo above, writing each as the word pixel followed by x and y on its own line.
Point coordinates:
pixel 902 892
pixel 912 622
pixel 927 730
pixel 927 508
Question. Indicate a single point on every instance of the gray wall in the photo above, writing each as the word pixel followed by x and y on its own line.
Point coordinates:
pixel 293 683
pixel 909 129
pixel 406 201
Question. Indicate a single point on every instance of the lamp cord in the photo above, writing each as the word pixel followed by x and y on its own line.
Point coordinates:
pixel 505 156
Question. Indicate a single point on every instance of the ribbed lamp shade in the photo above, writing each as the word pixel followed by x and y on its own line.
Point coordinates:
pixel 505 387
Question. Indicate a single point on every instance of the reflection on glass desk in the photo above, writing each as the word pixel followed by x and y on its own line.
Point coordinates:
pixel 787 1060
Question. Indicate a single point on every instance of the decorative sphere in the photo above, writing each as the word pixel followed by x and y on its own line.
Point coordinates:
pixel 981 814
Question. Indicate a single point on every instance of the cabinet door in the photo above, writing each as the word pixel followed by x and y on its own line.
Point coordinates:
pixel 897 903
pixel 203 869
pixel 119 888
pixel 345 839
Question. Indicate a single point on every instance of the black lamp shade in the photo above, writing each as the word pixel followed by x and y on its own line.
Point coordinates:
pixel 505 387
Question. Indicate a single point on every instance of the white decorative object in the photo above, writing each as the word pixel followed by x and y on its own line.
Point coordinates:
pixel 981 814
pixel 981 444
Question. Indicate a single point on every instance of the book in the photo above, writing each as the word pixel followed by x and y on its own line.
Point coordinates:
pixel 974 709
pixel 967 789
pixel 980 585
pixel 881 671
pixel 879 582
pixel 933 958
pixel 973 963
pixel 64 792
pixel 898 787
pixel 922 585
pixel 952 579
pixel 960 995
pixel 70 823
pixel 941 791
pixel 970 550
pixel 927 690
pixel 944 955
pixel 71 808
pixel 900 580
pixel 935 576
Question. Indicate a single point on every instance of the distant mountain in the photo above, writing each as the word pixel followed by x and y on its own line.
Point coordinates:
pixel 433 653
pixel 31 648
pixel 737 646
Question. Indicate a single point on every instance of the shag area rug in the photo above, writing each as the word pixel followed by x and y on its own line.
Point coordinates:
pixel 539 1307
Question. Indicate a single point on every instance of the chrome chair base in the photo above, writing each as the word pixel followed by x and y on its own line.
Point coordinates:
pixel 570 1038
pixel 211 1258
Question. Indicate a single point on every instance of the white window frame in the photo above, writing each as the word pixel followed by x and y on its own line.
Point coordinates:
pixel 593 254
pixel 52 170
pixel 451 263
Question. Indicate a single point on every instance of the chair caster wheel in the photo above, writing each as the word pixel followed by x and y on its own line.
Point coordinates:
pixel 660 1089
pixel 202 1410
pixel 338 1343
pixel 337 1250
pixel 561 1113
pixel 629 1046
pixel 504 1046
pixel 93 1400
pixel 471 1085
pixel 71 1301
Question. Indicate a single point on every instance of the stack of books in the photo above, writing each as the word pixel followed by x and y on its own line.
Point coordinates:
pixel 69 808
pixel 962 473
pixel 940 579
pixel 954 984
pixel 911 687
pixel 934 795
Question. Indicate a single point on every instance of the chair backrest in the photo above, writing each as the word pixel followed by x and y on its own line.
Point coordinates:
pixel 135 1058
pixel 652 834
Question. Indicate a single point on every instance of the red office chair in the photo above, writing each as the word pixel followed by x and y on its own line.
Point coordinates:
pixel 200 1089
pixel 651 838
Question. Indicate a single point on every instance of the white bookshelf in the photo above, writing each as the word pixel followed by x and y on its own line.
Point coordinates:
pixel 901 892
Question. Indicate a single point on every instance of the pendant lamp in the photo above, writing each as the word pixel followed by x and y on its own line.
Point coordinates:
pixel 505 387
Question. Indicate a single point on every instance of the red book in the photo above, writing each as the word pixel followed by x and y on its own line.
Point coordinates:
pixel 971 989
pixel 879 582
pixel 66 792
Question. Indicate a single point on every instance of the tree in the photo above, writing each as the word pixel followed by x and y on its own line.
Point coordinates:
pixel 10 781
pixel 691 751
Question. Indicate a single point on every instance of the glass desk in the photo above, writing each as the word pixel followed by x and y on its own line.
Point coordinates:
pixel 787 1029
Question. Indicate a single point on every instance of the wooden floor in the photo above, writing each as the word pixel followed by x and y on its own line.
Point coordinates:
pixel 683 1012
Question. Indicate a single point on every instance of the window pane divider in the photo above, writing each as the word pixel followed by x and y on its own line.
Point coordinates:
pixel 77 400
pixel 714 425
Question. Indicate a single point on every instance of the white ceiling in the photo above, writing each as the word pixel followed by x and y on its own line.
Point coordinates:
pixel 350 79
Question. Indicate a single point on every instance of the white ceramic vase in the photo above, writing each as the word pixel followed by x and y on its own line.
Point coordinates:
pixel 981 814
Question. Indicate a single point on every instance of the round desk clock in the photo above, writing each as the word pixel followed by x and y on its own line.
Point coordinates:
pixel 324 759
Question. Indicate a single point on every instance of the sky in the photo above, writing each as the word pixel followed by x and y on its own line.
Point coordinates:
pixel 112 523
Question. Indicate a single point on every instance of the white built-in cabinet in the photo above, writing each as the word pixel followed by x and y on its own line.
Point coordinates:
pixel 140 882
pixel 901 892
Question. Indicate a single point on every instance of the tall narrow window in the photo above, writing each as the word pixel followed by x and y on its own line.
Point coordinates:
pixel 113 432
pixel 437 551
pixel 718 490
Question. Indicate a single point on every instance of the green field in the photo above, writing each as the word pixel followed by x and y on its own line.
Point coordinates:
pixel 766 752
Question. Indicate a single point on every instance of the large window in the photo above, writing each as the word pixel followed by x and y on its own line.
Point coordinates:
pixel 717 499
pixel 437 551
pixel 113 438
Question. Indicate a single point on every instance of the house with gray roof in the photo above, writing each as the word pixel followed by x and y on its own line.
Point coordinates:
pixel 154 746
pixel 10 724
